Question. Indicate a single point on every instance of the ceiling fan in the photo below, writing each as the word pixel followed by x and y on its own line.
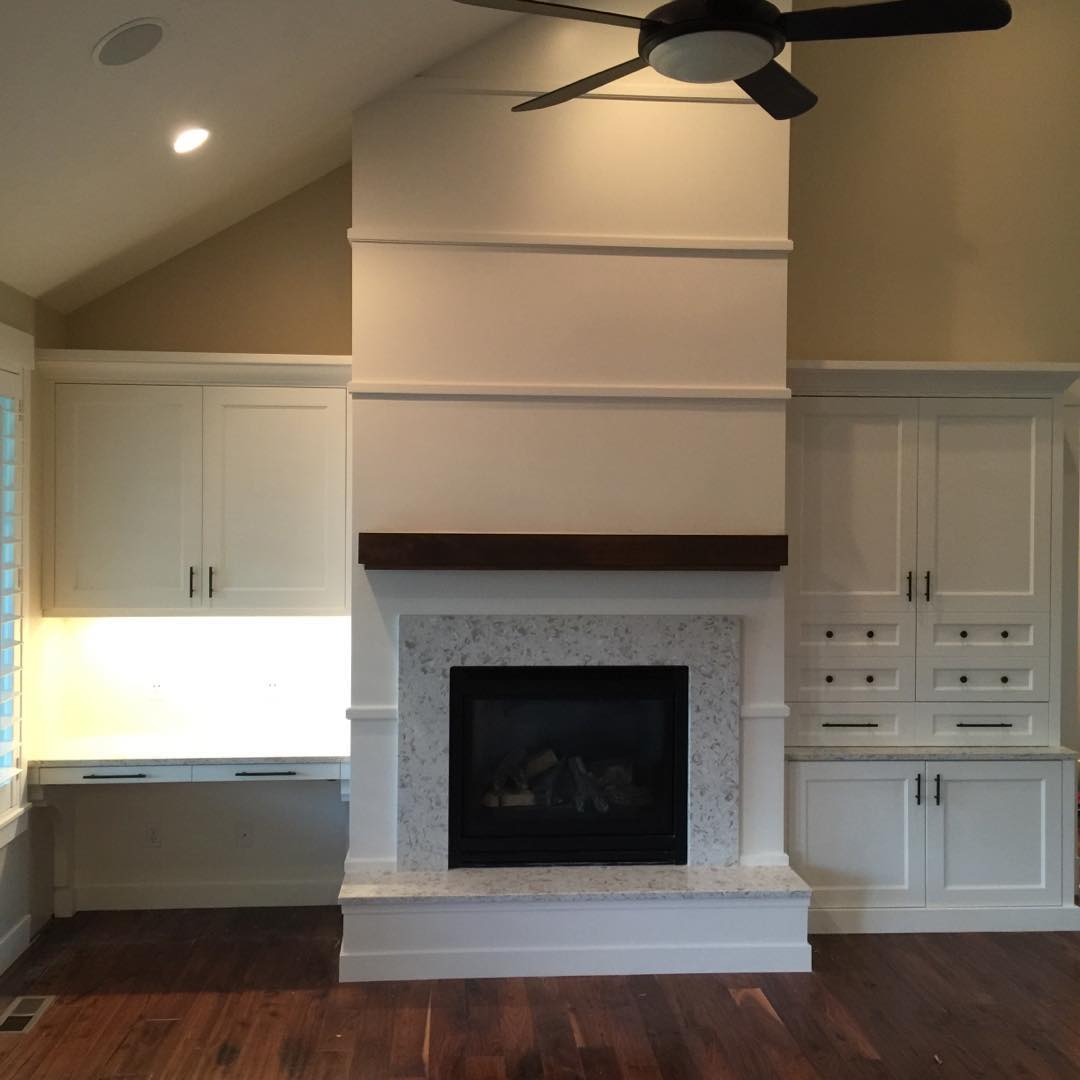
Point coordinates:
pixel 711 41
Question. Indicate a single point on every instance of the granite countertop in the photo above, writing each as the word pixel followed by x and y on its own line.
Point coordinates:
pixel 928 753
pixel 124 762
pixel 582 883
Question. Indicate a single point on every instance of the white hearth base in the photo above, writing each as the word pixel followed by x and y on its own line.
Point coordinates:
pixel 751 921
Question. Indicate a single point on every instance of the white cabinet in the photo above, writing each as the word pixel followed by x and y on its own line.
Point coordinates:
pixel 852 466
pixel 993 834
pixel 984 504
pixel 180 498
pixel 128 496
pixel 856 832
pixel 894 834
pixel 274 498
pixel 922 548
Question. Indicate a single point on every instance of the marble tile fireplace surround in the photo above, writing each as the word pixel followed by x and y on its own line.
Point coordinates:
pixel 418 919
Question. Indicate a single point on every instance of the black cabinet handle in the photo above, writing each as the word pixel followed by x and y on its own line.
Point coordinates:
pixel 870 634
pixel 910 586
pixel 830 724
pixel 937 789
pixel 211 583
pixel 963 678
pixel 828 678
pixel 279 772
pixel 1005 679
pixel 828 634
pixel 928 586
pixel 190 582
pixel 115 776
pixel 918 789
pixel 869 678
pixel 960 723
pixel 963 633
pixel 1005 633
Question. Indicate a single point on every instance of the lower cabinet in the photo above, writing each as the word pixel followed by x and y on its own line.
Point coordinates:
pixel 896 834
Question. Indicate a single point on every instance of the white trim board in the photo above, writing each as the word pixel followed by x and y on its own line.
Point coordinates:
pixel 14 943
pixel 160 895
pixel 451 940
pixel 565 391
pixel 941 920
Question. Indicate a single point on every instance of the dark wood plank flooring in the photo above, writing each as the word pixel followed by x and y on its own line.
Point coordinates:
pixel 253 994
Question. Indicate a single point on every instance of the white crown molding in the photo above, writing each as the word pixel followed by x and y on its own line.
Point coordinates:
pixel 919 379
pixel 242 369
pixel 716 247
pixel 566 391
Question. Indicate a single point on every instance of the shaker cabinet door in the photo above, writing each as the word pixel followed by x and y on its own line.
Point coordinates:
pixel 851 502
pixel 984 505
pixel 128 502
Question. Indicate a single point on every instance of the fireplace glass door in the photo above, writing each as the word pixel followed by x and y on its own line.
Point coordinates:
pixel 553 765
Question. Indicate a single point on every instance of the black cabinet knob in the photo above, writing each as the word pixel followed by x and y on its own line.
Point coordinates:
pixel 1004 633
pixel 828 678
pixel 1004 678
pixel 869 678
pixel 828 633
pixel 963 678
pixel 869 633
pixel 963 633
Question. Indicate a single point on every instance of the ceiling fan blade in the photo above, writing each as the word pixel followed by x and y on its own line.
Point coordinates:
pixel 896 18
pixel 582 86
pixel 559 11
pixel 778 92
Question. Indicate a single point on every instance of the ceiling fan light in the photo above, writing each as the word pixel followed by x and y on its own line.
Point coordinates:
pixel 711 56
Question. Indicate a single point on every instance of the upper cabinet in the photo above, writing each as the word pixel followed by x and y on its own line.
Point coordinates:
pixel 179 498
pixel 128 496
pixel 851 502
pixel 984 504
pixel 897 504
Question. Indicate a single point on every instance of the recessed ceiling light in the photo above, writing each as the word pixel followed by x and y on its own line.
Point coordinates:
pixel 129 42
pixel 190 139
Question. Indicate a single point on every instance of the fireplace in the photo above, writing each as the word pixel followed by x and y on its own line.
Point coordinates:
pixel 553 765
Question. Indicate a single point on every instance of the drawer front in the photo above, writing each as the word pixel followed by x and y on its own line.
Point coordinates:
pixel 1009 678
pixel 279 770
pixel 991 724
pixel 981 634
pixel 852 724
pixel 846 678
pixel 852 634
pixel 114 774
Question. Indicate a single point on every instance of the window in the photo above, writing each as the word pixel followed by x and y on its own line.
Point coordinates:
pixel 12 501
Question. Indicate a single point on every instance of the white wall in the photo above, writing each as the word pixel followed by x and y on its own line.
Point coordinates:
pixel 567 321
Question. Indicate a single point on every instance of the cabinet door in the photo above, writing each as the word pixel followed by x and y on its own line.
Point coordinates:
pixel 274 484
pixel 856 832
pixel 851 502
pixel 993 834
pixel 984 505
pixel 128 497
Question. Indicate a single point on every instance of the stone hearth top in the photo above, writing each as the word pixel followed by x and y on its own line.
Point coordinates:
pixel 581 883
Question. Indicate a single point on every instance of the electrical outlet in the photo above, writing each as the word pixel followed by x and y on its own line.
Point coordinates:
pixel 153 836
pixel 244 836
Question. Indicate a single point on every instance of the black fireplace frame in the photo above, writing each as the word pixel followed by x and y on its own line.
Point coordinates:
pixel 555 682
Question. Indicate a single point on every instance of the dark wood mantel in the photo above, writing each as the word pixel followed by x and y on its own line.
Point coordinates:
pixel 569 551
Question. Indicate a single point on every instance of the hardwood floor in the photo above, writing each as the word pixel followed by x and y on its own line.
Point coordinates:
pixel 253 994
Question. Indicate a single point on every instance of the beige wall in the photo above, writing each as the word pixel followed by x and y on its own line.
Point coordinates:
pixel 276 282
pixel 934 196
pixel 31 317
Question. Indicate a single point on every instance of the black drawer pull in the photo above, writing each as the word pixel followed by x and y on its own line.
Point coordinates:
pixel 115 776
pixel 963 678
pixel 1004 633
pixel 828 634
pixel 870 633
pixel 869 678
pixel 960 723
pixel 963 633
pixel 828 678
pixel 829 724
pixel 279 772
pixel 1005 678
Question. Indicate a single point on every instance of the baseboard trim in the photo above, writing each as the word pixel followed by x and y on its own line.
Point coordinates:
pixel 699 959
pixel 369 866
pixel 941 920
pixel 148 896
pixel 14 943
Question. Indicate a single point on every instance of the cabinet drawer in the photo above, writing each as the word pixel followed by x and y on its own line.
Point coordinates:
pixel 991 724
pixel 114 774
pixel 978 633
pixel 846 678
pixel 851 724
pixel 852 634
pixel 1009 678
pixel 278 770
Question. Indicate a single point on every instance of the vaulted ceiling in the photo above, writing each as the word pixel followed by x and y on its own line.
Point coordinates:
pixel 91 192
